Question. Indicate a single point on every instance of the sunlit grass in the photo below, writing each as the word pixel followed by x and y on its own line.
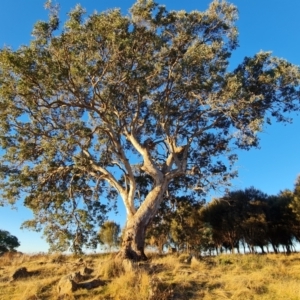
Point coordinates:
pixel 163 277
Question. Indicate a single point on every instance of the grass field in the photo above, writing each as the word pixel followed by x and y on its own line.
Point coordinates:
pixel 163 277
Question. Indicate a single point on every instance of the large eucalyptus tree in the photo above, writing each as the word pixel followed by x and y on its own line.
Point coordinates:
pixel 125 105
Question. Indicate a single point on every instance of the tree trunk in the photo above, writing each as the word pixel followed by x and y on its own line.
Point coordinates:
pixel 133 241
pixel 134 235
pixel 160 247
pixel 274 248
pixel 262 249
pixel 288 249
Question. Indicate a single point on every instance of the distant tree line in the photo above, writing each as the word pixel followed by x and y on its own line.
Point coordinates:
pixel 240 221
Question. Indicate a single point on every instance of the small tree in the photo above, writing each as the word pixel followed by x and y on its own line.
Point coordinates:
pixel 281 221
pixel 295 203
pixel 8 242
pixel 186 225
pixel 239 216
pixel 224 221
pixel 109 234
pixel 295 207
pixel 158 232
pixel 177 222
pixel 115 105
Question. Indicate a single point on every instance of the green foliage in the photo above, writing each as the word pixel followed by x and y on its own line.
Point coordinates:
pixel 176 223
pixel 295 203
pixel 128 105
pixel 179 223
pixel 186 224
pixel 8 242
pixel 282 223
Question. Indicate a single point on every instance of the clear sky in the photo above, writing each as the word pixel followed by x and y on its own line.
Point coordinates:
pixel 269 25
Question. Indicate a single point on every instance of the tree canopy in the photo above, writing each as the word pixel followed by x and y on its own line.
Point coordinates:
pixel 8 242
pixel 126 105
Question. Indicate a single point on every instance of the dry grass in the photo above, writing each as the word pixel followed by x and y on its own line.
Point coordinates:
pixel 262 277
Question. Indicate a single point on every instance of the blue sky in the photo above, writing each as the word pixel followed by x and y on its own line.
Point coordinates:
pixel 269 25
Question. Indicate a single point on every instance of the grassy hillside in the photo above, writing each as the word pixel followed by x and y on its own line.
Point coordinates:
pixel 167 277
